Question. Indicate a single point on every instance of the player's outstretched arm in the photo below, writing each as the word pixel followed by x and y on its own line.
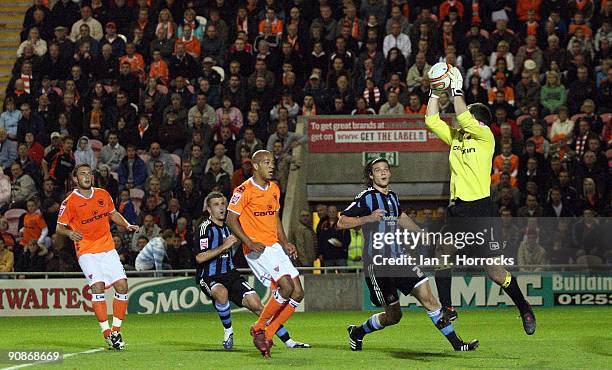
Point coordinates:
pixel 433 121
pixel 121 221
pixel 348 222
pixel 456 89
pixel 234 225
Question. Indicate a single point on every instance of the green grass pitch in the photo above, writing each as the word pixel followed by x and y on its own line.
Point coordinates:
pixel 568 338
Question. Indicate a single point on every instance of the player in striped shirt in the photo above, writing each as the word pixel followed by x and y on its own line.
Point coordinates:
pixel 216 274
pixel 377 209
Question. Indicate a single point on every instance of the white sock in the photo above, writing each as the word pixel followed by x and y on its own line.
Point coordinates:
pixel 227 332
pixel 104 326
pixel 290 343
pixel 117 322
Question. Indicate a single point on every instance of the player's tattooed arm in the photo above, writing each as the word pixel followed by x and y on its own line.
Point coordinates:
pixel 348 222
pixel 234 224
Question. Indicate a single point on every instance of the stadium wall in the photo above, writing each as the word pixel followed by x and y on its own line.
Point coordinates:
pixel 326 292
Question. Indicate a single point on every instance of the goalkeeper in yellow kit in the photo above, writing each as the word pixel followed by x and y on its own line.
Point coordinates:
pixel 471 153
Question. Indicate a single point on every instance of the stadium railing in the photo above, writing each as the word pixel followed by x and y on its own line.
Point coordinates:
pixel 310 270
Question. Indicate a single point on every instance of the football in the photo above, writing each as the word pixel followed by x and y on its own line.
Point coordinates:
pixel 439 76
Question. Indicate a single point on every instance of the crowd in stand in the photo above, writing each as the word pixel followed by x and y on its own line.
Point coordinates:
pixel 168 99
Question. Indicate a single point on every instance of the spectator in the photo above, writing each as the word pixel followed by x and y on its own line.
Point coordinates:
pixel 9 119
pixel 86 18
pixel 33 258
pixel 7 260
pixel 103 179
pixel 242 174
pixel 397 39
pixel 60 257
pixel 156 154
pixel 50 200
pixel 174 213
pixel 5 190
pixel 289 139
pixel 132 171
pixel 8 149
pixel 126 206
pixel 38 45
pixel 562 125
pixel 207 112
pixel 531 208
pixel 190 198
pixel 580 90
pixel 172 135
pixel 215 176
pixel 23 187
pixel 112 153
pixel 149 230
pixel 58 164
pixel 305 240
pixel 30 122
pixel 220 154
pixel 530 252
pixel 9 239
pixel 332 244
pixel 179 253
pixel 151 257
pixel 84 153
pixel 34 226
pixel 556 207
pixel 392 106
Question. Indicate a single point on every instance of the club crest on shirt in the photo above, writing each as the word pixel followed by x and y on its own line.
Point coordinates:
pixel 235 198
pixel 62 208
pixel 101 202
pixel 203 244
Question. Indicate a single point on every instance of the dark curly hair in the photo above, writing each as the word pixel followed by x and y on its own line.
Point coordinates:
pixel 367 170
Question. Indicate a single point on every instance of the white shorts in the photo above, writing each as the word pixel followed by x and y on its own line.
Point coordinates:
pixel 105 267
pixel 271 264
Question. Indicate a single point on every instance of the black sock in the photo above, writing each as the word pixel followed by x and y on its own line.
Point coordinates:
pixel 511 288
pixel 283 334
pixel 444 280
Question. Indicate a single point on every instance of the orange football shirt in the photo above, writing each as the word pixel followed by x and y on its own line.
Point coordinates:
pixel 33 225
pixel 258 209
pixel 89 216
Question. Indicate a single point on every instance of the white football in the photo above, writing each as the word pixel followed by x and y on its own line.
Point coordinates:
pixel 439 76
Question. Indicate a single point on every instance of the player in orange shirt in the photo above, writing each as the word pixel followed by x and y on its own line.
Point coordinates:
pixel 84 217
pixel 254 219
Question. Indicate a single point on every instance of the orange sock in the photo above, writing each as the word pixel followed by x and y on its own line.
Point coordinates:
pixel 120 304
pixel 98 301
pixel 274 305
pixel 281 318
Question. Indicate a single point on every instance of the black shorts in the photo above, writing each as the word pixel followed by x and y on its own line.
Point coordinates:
pixel 237 287
pixel 383 290
pixel 462 217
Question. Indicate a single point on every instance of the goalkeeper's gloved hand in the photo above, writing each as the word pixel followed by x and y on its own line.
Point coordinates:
pixel 456 85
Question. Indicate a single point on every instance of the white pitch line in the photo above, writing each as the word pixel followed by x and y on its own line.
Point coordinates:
pixel 65 356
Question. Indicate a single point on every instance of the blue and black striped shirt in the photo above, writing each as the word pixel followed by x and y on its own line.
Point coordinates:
pixel 367 202
pixel 211 236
